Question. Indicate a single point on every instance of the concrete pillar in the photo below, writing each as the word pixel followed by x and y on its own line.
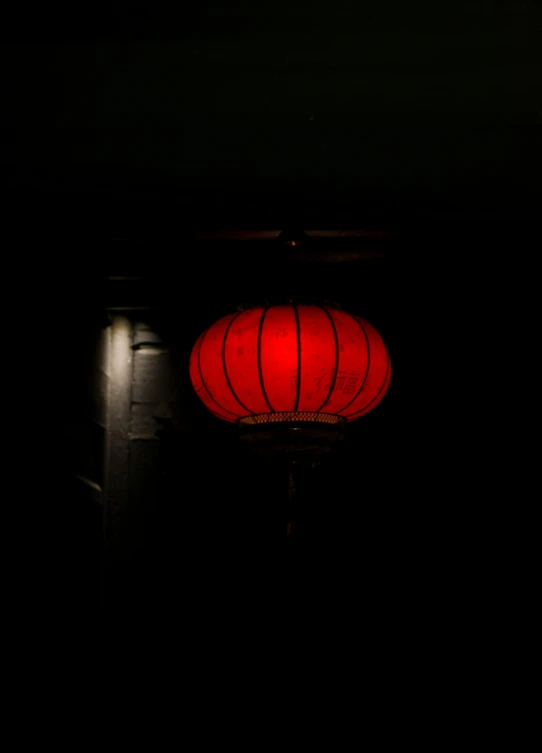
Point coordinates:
pixel 116 547
pixel 138 391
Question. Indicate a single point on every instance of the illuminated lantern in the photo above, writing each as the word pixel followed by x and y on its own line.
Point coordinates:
pixel 290 374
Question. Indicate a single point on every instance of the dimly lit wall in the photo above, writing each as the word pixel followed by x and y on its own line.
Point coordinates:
pixel 115 376
pixel 138 396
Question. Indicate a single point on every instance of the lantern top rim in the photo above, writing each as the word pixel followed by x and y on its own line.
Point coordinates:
pixel 288 300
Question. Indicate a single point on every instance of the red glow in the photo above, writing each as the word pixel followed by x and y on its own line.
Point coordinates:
pixel 248 363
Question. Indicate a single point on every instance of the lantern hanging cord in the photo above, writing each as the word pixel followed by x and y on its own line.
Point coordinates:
pixel 290 527
pixel 291 486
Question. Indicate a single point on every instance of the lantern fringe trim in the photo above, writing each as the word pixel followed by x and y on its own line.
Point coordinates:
pixel 291 417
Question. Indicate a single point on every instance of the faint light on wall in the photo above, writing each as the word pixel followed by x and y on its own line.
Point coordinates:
pixel 121 354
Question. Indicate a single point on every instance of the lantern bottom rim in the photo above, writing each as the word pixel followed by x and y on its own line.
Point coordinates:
pixel 292 432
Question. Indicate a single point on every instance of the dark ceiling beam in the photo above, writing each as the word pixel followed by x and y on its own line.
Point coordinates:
pixel 332 235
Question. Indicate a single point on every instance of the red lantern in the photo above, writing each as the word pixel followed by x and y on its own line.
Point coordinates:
pixel 290 363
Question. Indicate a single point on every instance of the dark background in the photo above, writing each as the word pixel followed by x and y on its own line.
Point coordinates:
pixel 125 133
